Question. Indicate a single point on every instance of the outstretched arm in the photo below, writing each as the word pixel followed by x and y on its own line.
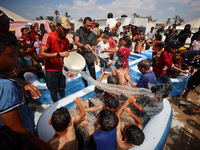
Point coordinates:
pixel 112 69
pixel 129 113
pixel 95 108
pixel 82 111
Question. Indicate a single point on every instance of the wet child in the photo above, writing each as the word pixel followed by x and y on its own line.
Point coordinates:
pixel 140 46
pixel 157 56
pixel 105 137
pixel 63 123
pixel 148 77
pixel 104 57
pixel 123 74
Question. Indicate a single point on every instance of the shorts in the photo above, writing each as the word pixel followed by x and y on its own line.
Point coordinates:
pixel 194 81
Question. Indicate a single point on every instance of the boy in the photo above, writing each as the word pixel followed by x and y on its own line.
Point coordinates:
pixel 140 46
pixel 105 138
pixel 160 49
pixel 148 77
pixel 132 134
pixel 101 37
pixel 166 61
pixel 65 137
pixel 123 74
pixel 25 37
pixel 112 46
pixel 104 57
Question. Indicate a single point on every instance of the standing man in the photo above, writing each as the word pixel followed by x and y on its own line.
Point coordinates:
pixel 116 31
pixel 161 31
pixel 149 40
pixel 55 46
pixel 86 40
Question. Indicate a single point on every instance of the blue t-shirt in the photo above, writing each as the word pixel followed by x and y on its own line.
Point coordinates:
pixel 11 97
pixel 105 140
pixel 145 79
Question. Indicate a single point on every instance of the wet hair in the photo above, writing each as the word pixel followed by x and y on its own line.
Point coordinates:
pixel 26 46
pixel 112 79
pixel 144 64
pixel 22 30
pixel 11 140
pixel 150 60
pixel 128 41
pixel 119 64
pixel 60 119
pixel 134 135
pixel 158 36
pixel 87 19
pixel 112 102
pixel 160 91
pixel 108 120
pixel 5 41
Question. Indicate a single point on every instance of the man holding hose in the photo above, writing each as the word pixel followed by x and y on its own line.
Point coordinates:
pixel 86 40
pixel 55 45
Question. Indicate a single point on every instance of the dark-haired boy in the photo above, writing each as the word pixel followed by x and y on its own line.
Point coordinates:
pixel 65 137
pixel 148 76
pixel 105 138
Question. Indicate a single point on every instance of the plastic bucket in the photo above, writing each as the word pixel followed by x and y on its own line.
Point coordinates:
pixel 73 64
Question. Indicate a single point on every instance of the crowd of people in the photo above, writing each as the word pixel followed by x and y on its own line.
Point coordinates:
pixel 36 47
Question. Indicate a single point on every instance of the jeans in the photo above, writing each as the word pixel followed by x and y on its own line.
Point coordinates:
pixel 167 81
pixel 56 83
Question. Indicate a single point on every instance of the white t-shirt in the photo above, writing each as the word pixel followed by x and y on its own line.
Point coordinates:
pixel 196 45
pixel 102 46
pixel 150 35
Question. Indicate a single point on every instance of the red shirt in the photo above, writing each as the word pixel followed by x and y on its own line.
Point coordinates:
pixel 27 39
pixel 124 55
pixel 54 45
pixel 155 50
pixel 165 61
pixel 111 44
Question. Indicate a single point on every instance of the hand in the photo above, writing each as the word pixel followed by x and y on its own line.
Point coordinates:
pixel 196 57
pixel 129 112
pixel 88 47
pixel 78 100
pixel 64 54
pixel 34 92
pixel 91 131
pixel 186 72
pixel 110 63
pixel 131 99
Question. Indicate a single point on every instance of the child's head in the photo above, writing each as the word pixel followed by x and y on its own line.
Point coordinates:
pixel 172 46
pixel 150 61
pixel 142 39
pixel 60 119
pixel 111 103
pixel 106 37
pixel 8 57
pixel 133 135
pixel 160 91
pixel 140 32
pixel 24 31
pixel 27 48
pixel 119 64
pixel 120 42
pixel 112 79
pixel 37 37
pixel 107 120
pixel 160 46
pixel 177 56
pixel 158 37
pixel 102 35
pixel 125 33
pixel 121 33
pixel 143 66
pixel 111 35
pixel 27 55
pixel 126 41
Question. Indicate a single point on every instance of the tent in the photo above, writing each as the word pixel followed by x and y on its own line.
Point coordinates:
pixel 195 24
pixel 19 22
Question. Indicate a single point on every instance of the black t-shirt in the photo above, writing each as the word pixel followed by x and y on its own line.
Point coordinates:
pixel 90 38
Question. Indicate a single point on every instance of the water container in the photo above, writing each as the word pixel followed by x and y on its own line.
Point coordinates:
pixel 110 15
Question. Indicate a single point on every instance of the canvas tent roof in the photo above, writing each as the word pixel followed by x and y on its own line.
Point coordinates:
pixel 195 24
pixel 12 15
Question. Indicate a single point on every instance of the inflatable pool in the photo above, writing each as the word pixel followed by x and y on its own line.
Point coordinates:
pixel 179 83
pixel 72 85
pixel 147 53
pixel 156 130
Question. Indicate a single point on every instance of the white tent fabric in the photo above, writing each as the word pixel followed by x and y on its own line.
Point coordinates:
pixel 12 15
pixel 195 24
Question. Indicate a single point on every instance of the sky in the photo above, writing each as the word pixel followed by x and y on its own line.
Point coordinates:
pixel 98 9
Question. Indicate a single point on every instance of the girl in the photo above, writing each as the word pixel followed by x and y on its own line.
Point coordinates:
pixel 196 44
pixel 37 43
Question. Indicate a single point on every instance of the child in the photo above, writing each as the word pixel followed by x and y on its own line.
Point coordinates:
pixel 121 35
pixel 101 37
pixel 158 39
pixel 132 135
pixel 157 55
pixel 65 137
pixel 196 44
pixel 37 43
pixel 112 46
pixel 25 36
pixel 140 46
pixel 123 74
pixel 13 109
pixel 166 61
pixel 148 77
pixel 27 48
pixel 104 57
pixel 124 52
pixel 105 138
